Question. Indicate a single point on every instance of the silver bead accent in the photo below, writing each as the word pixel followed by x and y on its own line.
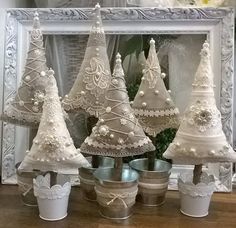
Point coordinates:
pixel 144 104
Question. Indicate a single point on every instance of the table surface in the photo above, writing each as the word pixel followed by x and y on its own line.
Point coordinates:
pixel 82 213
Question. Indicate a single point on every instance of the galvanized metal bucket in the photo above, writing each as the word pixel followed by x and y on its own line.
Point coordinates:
pixel 87 180
pixel 25 185
pixel 152 185
pixel 116 196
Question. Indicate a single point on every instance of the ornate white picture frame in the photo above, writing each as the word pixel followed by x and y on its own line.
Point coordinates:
pixel 217 24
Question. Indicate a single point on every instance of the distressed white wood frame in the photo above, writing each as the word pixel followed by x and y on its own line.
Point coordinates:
pixel 217 24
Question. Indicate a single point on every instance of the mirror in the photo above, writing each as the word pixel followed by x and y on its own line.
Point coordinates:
pixel 178 32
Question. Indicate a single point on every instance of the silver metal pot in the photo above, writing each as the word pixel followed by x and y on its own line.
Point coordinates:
pixel 25 185
pixel 116 195
pixel 87 180
pixel 152 185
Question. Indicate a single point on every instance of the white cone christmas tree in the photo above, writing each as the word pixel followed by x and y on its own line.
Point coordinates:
pixel 26 107
pixel 117 133
pixel 152 104
pixel 88 91
pixel 53 148
pixel 200 138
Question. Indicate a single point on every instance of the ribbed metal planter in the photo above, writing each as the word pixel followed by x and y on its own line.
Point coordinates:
pixel 116 196
pixel 25 186
pixel 87 180
pixel 152 185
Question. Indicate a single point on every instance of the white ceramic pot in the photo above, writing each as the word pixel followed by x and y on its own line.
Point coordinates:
pixel 52 201
pixel 195 199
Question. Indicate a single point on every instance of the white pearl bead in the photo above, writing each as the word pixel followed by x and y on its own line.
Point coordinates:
pixel 27 78
pixel 108 109
pixel 114 81
pixel 102 120
pixel 177 144
pixel 168 100
pixel 193 150
pixel 131 134
pixel 97 23
pixel 66 96
pixel 144 104
pixel 82 92
pixel 97 49
pixel 51 72
pixel 36 103
pixel 21 103
pixel 156 92
pixel 163 75
pixel 111 136
pixel 43 73
pixel 169 91
pixel 141 93
pixel 212 152
pixel 131 102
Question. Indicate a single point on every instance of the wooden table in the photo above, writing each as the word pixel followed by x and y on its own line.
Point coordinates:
pixel 81 213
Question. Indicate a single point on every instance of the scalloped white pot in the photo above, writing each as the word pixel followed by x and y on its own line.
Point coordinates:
pixel 52 202
pixel 195 199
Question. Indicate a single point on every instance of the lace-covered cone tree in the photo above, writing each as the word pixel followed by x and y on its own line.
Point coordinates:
pixel 200 138
pixel 152 104
pixel 26 107
pixel 88 91
pixel 53 148
pixel 117 133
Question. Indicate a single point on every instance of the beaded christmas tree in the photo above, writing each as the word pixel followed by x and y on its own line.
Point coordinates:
pixel 200 138
pixel 117 133
pixel 26 107
pixel 152 104
pixel 53 148
pixel 88 91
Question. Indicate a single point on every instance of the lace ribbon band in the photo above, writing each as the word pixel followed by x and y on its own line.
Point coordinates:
pixel 116 196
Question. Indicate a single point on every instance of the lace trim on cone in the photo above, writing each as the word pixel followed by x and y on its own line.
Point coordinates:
pixel 74 105
pixel 154 131
pixel 19 118
pixel 168 112
pixel 99 149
